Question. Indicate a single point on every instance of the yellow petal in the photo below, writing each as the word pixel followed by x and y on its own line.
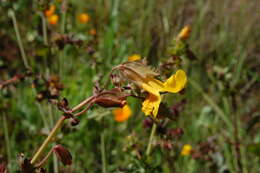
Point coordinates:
pixel 155 91
pixel 156 84
pixel 176 82
pixel 151 105
pixel 122 114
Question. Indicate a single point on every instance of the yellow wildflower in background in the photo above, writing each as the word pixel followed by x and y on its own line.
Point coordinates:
pixel 184 33
pixel 53 19
pixel 186 150
pixel 93 32
pixel 134 57
pixel 83 18
pixel 50 11
pixel 122 114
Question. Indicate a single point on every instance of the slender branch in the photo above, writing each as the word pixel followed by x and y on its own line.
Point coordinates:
pixel 83 103
pixel 48 139
pixel 84 110
pixel 44 159
pixel 56 128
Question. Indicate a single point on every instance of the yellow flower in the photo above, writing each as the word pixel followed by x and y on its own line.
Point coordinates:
pixel 134 57
pixel 50 11
pixel 122 114
pixel 153 86
pixel 53 19
pixel 185 33
pixel 143 77
pixel 186 150
pixel 83 18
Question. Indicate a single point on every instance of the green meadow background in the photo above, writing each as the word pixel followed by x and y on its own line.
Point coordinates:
pixel 222 93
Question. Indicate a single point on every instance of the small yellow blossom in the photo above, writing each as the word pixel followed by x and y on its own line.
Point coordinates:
pixel 185 33
pixel 186 150
pixel 93 32
pixel 122 114
pixel 53 19
pixel 134 57
pixel 50 11
pixel 83 18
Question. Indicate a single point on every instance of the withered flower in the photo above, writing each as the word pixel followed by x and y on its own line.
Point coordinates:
pixel 3 168
pixel 63 154
pixel 111 98
pixel 25 164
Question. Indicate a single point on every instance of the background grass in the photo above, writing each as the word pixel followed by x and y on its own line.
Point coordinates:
pixel 222 94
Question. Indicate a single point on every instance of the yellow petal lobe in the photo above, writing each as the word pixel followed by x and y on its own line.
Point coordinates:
pixel 151 105
pixel 176 82
pixel 155 84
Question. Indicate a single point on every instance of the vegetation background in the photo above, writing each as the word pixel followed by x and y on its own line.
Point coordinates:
pixel 221 115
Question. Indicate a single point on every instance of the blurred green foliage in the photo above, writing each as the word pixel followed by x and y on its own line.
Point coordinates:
pixel 222 95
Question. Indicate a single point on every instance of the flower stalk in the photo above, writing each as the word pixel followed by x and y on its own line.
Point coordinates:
pixel 149 146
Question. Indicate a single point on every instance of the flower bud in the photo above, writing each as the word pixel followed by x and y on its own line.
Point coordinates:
pixel 185 33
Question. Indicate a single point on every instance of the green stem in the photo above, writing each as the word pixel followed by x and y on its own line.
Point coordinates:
pixel 103 153
pixel 149 147
pixel 44 29
pixel 55 164
pixel 7 139
pixel 217 109
pixel 48 139
pixel 18 36
pixel 63 21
